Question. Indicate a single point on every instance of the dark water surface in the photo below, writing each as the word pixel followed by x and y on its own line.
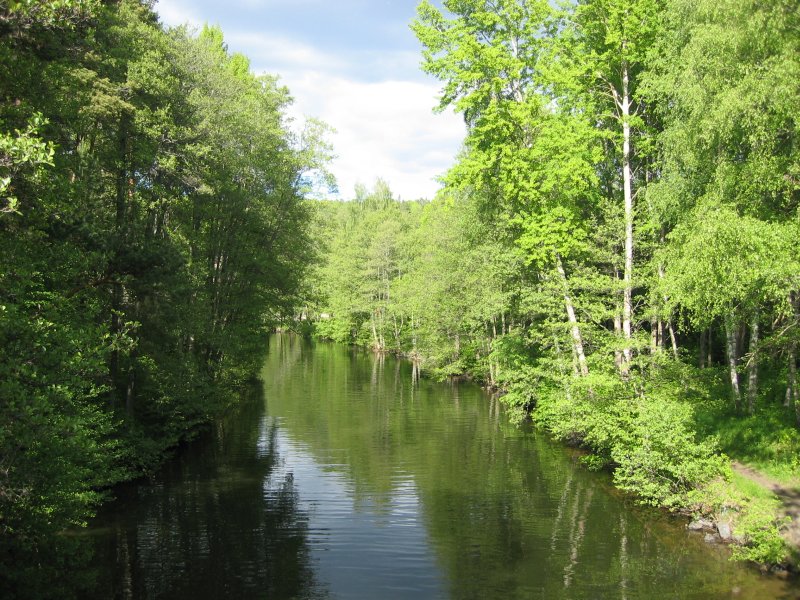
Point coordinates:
pixel 346 480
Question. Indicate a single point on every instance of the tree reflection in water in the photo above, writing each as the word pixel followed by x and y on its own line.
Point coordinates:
pixel 221 521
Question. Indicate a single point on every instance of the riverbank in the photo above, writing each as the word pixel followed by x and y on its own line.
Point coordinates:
pixel 734 506
pixel 759 524
pixel 788 494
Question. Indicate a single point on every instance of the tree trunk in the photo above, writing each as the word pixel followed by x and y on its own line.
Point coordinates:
pixel 701 358
pixel 493 368
pixel 560 363
pixel 627 303
pixel 618 358
pixel 577 339
pixel 490 363
pixel 118 291
pixel 796 398
pixel 792 393
pixel 670 329
pixel 673 339
pixel 130 391
pixel 741 332
pixel 414 336
pixel 654 339
pixel 381 328
pixel 733 359
pixel 374 331
pixel 752 367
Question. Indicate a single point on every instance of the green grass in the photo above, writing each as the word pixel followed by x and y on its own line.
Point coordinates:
pixel 752 511
pixel 748 488
pixel 769 440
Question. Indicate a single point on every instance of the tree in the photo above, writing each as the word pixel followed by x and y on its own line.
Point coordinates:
pixel 605 48
pixel 531 160
pixel 723 84
pixel 167 238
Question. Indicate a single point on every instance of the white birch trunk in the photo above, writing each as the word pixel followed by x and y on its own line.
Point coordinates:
pixel 733 359
pixel 655 325
pixel 670 329
pixel 752 367
pixel 577 339
pixel 414 336
pixel 792 390
pixel 627 305
pixel 374 330
pixel 618 358
pixel 792 393
pixel 673 339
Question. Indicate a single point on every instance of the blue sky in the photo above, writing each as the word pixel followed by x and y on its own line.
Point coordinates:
pixel 355 65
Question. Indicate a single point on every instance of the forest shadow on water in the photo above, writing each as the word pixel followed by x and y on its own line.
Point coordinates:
pixel 220 520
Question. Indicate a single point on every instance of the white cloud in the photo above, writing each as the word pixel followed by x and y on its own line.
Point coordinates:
pixel 260 4
pixel 177 12
pixel 385 129
pixel 278 54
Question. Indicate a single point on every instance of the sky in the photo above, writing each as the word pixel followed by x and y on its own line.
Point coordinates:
pixel 355 65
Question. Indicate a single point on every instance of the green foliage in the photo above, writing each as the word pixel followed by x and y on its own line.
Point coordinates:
pixel 597 131
pixel 752 512
pixel 658 455
pixel 49 13
pixel 545 236
pixel 22 153
pixel 722 263
pixel 767 440
pixel 155 230
pixel 764 542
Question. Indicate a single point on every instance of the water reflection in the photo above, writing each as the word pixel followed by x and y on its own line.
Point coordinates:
pixel 347 477
pixel 221 521
pixel 503 512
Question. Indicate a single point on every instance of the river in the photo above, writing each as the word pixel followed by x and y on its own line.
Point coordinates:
pixel 342 477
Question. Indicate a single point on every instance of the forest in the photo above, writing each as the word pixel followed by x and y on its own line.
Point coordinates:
pixel 615 250
pixel 153 231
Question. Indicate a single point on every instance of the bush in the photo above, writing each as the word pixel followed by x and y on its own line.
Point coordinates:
pixel 658 455
pixel 649 438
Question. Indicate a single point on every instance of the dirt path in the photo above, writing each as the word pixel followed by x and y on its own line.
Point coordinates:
pixel 789 495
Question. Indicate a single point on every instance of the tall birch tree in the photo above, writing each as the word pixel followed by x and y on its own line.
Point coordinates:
pixel 531 160
pixel 604 47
